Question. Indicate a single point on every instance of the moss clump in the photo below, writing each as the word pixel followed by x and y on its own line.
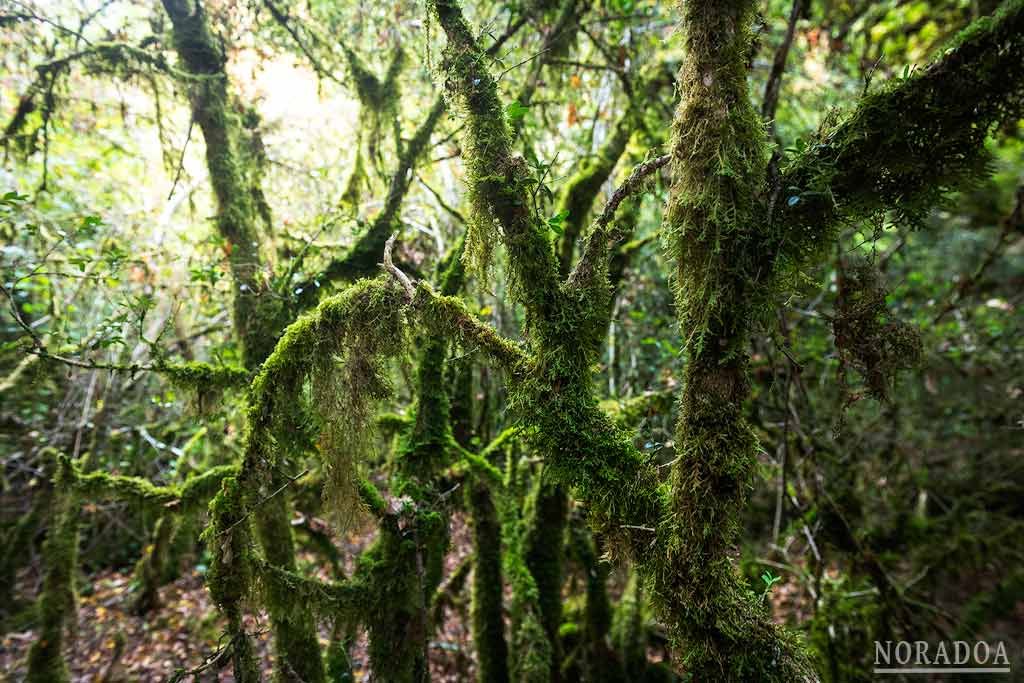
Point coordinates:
pixel 868 338
pixel 205 380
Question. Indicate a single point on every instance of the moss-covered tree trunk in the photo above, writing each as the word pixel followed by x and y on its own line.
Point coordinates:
pixel 720 158
pixel 57 602
pixel 257 312
pixel 151 569
pixel 545 553
pixel 488 618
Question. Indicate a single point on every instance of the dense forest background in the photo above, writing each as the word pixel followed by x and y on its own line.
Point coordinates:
pixel 245 435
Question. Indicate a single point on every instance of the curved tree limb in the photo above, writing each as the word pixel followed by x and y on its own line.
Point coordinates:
pixel 905 145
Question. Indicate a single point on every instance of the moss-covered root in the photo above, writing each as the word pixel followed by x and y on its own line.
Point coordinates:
pixel 487 611
pixel 57 603
pixel 151 568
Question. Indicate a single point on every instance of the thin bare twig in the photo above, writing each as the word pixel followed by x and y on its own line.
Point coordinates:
pixel 390 266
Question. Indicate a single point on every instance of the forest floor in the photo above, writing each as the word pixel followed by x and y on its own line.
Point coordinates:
pixel 111 644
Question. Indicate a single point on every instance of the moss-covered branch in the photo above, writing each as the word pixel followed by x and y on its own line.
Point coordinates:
pixel 578 194
pixel 188 496
pixel 905 145
pixel 362 259
pixel 498 185
pixel 122 60
pixel 449 316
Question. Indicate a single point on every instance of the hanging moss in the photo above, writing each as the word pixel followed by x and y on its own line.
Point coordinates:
pixel 868 337
pixel 340 348
pixel 497 181
pixel 378 99
pixel 205 380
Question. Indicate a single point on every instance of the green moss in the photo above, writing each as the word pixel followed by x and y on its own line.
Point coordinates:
pixel 449 316
pixel 378 99
pixel 193 493
pixel 905 145
pixel 56 608
pixel 530 649
pixel 497 181
pixel 396 579
pixel 230 576
pixel 712 223
pixel 487 608
pixel 868 337
pixel 206 380
pixel 341 349
pixel 297 653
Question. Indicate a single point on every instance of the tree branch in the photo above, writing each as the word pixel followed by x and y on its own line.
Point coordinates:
pixel 774 85
pixel 603 235
pixel 905 145
pixel 497 180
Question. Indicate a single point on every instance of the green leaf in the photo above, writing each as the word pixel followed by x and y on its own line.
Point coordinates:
pixel 556 221
pixel 515 111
